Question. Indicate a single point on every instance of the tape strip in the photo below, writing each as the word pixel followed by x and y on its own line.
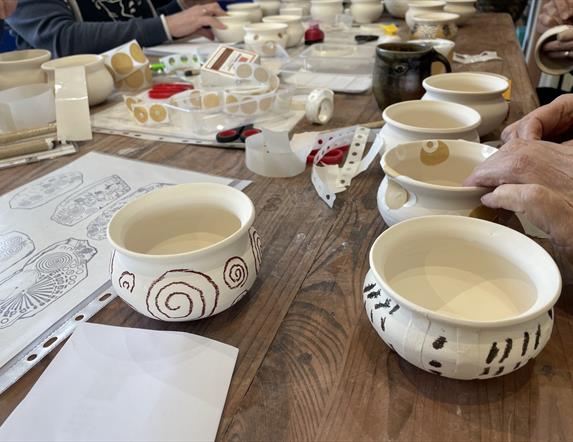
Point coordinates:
pixel 72 107
pixel 353 157
pixel 147 113
pixel 138 80
pixel 320 106
pixel 125 60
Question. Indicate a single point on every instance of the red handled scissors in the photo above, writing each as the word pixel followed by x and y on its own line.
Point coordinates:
pixel 167 90
pixel 334 156
pixel 236 134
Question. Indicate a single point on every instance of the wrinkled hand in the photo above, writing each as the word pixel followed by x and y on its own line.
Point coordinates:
pixel 551 121
pixel 555 13
pixel 7 7
pixel 192 21
pixel 562 47
pixel 533 178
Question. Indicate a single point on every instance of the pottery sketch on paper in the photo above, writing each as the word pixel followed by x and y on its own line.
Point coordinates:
pixel 45 278
pixel 461 297
pixel 46 190
pixel 14 247
pixel 89 200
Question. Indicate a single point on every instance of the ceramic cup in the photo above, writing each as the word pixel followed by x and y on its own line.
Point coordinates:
pixel 98 79
pixel 444 47
pixel 269 7
pixel 464 8
pixel 421 6
pixel 426 178
pixel 325 11
pixel 263 38
pixel 397 8
pixel 235 22
pixel 366 11
pixel 461 297
pixel 253 9
pixel 295 29
pixel 422 120
pixel 22 67
pixel 434 25
pixel 399 70
pixel 548 65
pixel 480 91
pixel 184 252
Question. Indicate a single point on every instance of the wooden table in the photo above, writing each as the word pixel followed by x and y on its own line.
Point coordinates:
pixel 310 365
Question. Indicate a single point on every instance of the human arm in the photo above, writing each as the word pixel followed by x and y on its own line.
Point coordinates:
pixel 554 13
pixel 7 7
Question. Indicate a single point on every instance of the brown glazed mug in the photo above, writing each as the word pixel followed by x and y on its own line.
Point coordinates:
pixel 400 69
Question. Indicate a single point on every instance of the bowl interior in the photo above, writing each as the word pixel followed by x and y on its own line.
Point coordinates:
pixel 465 269
pixel 73 60
pixel 27 55
pixel 467 83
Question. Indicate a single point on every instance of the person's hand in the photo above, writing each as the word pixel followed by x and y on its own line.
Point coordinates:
pixel 554 13
pixel 546 122
pixel 560 48
pixel 7 7
pixel 193 20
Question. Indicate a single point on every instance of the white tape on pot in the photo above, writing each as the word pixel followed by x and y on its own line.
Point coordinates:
pixel 72 106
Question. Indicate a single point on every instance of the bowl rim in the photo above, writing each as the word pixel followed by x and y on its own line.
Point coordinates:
pixel 501 87
pixel 193 253
pixel 287 18
pixel 426 3
pixel 243 6
pixel 430 314
pixel 435 17
pixel 260 26
pixel 51 65
pixel 40 54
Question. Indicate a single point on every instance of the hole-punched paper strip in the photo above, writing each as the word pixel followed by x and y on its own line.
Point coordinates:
pixel 270 154
pixel 72 107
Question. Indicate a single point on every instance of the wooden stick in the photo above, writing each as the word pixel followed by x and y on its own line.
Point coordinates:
pixel 26 148
pixel 10 137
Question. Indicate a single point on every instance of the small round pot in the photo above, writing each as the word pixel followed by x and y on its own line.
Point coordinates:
pixel 22 67
pixel 325 10
pixel 464 8
pixel 420 7
pixel 295 29
pixel 269 7
pixel 444 47
pixel 235 22
pixel 397 8
pixel 548 65
pixel 184 252
pixel 434 25
pixel 480 91
pixel 426 178
pixel 461 297
pixel 366 11
pixel 98 79
pixel 253 9
pixel 263 38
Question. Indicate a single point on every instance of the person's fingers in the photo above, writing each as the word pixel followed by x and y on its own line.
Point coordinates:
pixel 3 10
pixel 205 32
pixel 566 35
pixel 207 20
pixel 530 128
pixel 558 46
pixel 562 9
pixel 560 55
pixel 510 132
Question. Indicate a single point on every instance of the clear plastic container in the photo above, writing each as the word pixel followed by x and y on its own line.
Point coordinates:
pixel 343 59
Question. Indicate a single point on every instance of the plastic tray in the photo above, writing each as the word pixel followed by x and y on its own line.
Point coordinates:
pixel 343 59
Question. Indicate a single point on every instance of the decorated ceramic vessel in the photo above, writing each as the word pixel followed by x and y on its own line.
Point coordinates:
pixel 184 252
pixel 22 67
pixel 263 38
pixel 464 8
pixel 426 178
pixel 434 25
pixel 325 10
pixel 295 29
pixel 253 9
pixel 366 11
pixel 397 8
pixel 235 22
pixel 421 6
pixel 461 297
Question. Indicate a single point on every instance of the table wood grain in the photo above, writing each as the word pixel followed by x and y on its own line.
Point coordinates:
pixel 310 365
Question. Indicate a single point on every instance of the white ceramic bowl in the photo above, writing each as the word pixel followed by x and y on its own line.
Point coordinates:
pixel 235 22
pixel 397 8
pixel 480 91
pixel 366 11
pixel 22 67
pixel 422 6
pixel 426 178
pixel 422 120
pixel 548 65
pixel 295 29
pixel 253 9
pixel 184 252
pixel 98 79
pixel 461 297
pixel 269 7
pixel 263 38
pixel 325 10
pixel 304 5
pixel 434 25
pixel 464 8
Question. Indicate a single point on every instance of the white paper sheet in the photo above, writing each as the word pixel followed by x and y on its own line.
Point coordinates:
pixel 119 384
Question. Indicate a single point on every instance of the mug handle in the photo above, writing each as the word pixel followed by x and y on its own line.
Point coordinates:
pixel 436 56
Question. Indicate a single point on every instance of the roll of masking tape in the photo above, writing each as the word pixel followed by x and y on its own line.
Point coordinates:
pixel 320 106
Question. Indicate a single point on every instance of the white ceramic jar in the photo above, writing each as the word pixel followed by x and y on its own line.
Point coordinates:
pixel 397 8
pixel 235 22
pixel 18 68
pixel 422 6
pixel 253 9
pixel 426 178
pixel 269 7
pixel 295 29
pixel 325 10
pixel 304 5
pixel 422 120
pixel 482 92
pixel 184 252
pixel 98 79
pixel 366 11
pixel 263 38
pixel 434 25
pixel 461 297
pixel 464 8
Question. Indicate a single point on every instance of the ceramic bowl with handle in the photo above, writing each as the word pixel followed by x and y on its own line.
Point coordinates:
pixel 461 297
pixel 184 252
pixel 235 22
pixel 426 178
pixel 19 68
pixel 482 92
pixel 295 28
pixel 434 25
pixel 253 9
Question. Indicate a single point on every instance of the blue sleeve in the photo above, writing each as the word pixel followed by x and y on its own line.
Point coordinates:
pixel 50 24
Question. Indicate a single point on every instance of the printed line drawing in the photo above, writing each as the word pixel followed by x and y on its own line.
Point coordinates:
pixel 45 278
pixel 98 227
pixel 45 190
pixel 89 200
pixel 14 247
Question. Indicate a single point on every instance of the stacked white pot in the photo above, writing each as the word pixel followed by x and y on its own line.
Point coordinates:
pixel 366 11
pixel 420 7
pixel 325 11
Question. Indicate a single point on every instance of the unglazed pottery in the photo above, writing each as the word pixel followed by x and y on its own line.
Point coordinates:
pixel 295 29
pixel 422 120
pixel 98 79
pixel 434 25
pixel 325 10
pixel 235 22
pixel 304 5
pixel 426 178
pixel 253 9
pixel 184 252
pixel 464 8
pixel 397 8
pixel 263 38
pixel 480 91
pixel 399 69
pixel 298 12
pixel 269 7
pixel 461 297
pixel 548 65
pixel 366 11
pixel 22 67
pixel 444 47
pixel 421 6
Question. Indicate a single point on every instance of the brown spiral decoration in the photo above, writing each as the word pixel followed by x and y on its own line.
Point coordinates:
pixel 127 281
pixel 182 294
pixel 236 272
pixel 256 247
